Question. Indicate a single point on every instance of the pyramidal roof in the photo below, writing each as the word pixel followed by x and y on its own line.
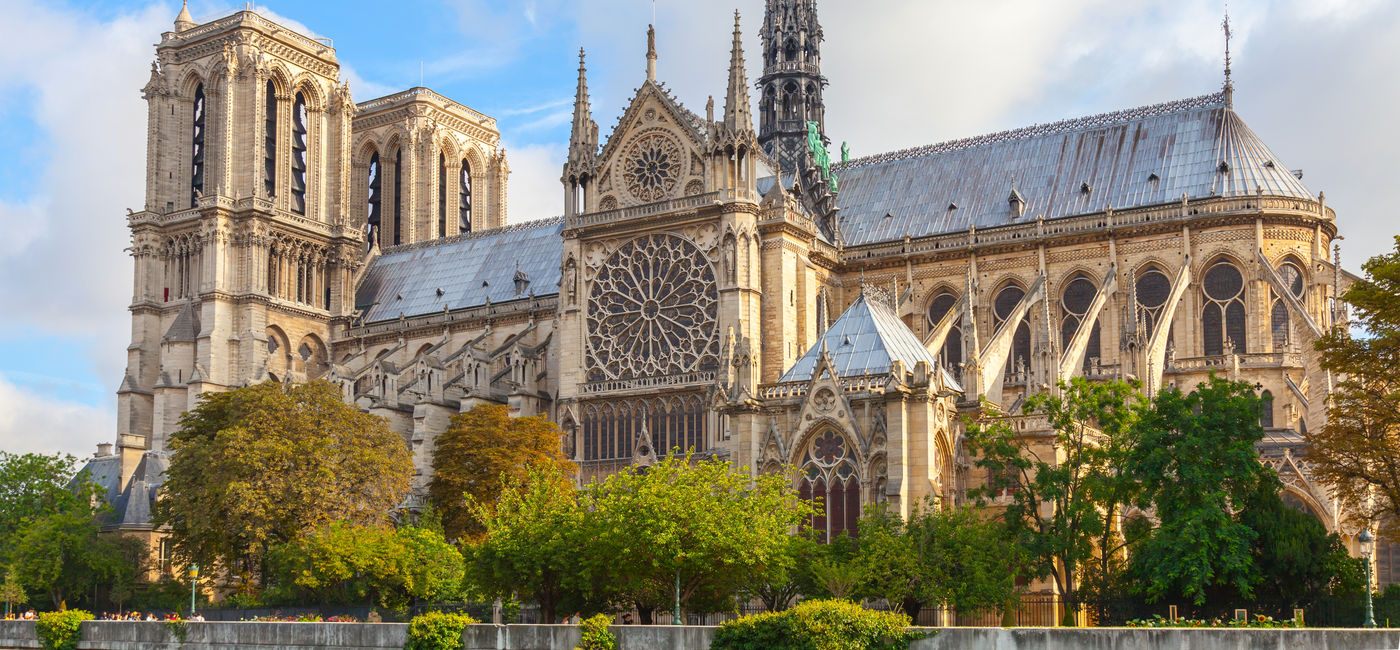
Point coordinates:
pixel 1197 147
pixel 863 341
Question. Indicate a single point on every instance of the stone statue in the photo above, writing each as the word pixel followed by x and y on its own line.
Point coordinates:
pixel 727 258
pixel 570 280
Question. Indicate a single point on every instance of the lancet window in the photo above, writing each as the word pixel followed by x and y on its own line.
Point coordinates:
pixel 830 480
pixel 1223 314
pixel 442 194
pixel 1279 325
pixel 197 157
pixel 299 163
pixel 270 139
pixel 951 356
pixel 675 425
pixel 1266 410
pixel 464 198
pixel 1076 300
pixel 375 194
pixel 398 196
pixel 1018 362
pixel 1152 290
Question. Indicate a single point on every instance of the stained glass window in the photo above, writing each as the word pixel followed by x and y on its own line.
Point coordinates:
pixel 1005 303
pixel 1223 316
pixel 1076 300
pixel 951 356
pixel 829 475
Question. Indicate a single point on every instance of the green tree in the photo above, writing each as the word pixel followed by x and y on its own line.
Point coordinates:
pixel 1197 464
pixel 1298 560
pixel 257 466
pixel 348 564
pixel 937 556
pixel 779 581
pixel 1357 453
pixel 60 556
pixel 11 591
pixel 1065 496
pixel 33 486
pixel 531 547
pixel 477 448
pixel 123 561
pixel 704 523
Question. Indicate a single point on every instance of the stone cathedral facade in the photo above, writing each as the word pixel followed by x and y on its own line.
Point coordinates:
pixel 709 285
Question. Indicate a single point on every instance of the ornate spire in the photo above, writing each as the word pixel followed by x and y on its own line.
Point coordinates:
pixel 651 54
pixel 790 90
pixel 583 141
pixel 184 21
pixel 736 100
pixel 1229 88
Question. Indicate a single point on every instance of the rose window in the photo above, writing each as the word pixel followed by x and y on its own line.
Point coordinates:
pixel 653 311
pixel 652 167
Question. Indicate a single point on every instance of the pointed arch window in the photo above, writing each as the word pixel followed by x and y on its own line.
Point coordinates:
pixel 1018 362
pixel 270 140
pixel 1279 324
pixel 197 158
pixel 1223 314
pixel 442 194
pixel 1076 300
pixel 464 198
pixel 375 196
pixel 398 196
pixel 1266 410
pixel 829 479
pixel 299 132
pixel 951 355
pixel 1152 290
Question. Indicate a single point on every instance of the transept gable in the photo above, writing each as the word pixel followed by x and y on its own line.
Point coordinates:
pixel 826 405
pixel 656 152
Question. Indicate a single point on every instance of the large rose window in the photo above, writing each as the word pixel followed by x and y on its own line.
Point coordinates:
pixel 653 308
pixel 652 166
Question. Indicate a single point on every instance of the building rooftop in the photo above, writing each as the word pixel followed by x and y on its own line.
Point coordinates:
pixel 463 271
pixel 1197 147
pixel 863 341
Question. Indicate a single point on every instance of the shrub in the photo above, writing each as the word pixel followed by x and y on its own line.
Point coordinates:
pixel 59 630
pixel 437 631
pixel 596 635
pixel 818 625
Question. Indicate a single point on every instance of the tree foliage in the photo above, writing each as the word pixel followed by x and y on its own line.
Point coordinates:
pixel 477 448
pixel 705 522
pixel 257 466
pixel 1358 452
pixel 1298 561
pixel 937 557
pixel 348 564
pixel 1065 497
pixel 1197 465
pixel 531 546
pixel 33 486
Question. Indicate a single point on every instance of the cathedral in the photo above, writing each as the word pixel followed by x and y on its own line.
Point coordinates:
pixel 715 282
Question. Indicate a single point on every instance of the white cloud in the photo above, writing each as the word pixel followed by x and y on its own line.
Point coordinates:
pixel 533 189
pixel 33 422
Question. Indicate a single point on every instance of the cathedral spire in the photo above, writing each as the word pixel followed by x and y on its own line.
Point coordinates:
pixel 1229 88
pixel 184 21
pixel 736 100
pixel 792 81
pixel 583 141
pixel 651 53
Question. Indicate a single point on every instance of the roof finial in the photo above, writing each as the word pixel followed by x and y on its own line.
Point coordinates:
pixel 651 53
pixel 1229 86
pixel 184 21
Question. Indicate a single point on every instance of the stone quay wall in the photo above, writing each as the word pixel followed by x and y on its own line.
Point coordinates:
pixel 133 635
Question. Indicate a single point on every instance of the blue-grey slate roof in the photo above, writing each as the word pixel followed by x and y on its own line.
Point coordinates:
pixel 863 341
pixel 1139 157
pixel 131 506
pixel 469 269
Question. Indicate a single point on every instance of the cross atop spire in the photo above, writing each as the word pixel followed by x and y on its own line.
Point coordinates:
pixel 737 116
pixel 1229 85
pixel 651 53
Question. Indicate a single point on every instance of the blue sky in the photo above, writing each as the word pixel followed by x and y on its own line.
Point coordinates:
pixel 1314 78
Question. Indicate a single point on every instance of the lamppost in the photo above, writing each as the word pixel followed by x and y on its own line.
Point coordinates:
pixel 194 581
pixel 1368 542
pixel 676 613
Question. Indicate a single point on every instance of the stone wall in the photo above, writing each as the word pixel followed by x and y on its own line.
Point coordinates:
pixel 15 635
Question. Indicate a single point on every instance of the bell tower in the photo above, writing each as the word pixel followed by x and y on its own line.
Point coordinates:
pixel 792 82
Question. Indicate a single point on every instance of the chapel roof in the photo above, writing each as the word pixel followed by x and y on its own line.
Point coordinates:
pixel 462 271
pixel 863 341
pixel 130 507
pixel 1197 147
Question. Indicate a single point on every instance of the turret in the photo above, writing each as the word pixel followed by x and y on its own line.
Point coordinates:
pixel 581 167
pixel 792 82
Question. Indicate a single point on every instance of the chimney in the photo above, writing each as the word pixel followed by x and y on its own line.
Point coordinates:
pixel 104 449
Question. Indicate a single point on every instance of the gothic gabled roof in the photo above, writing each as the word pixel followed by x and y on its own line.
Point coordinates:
pixel 1197 147
pixel 462 271
pixel 130 507
pixel 863 341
